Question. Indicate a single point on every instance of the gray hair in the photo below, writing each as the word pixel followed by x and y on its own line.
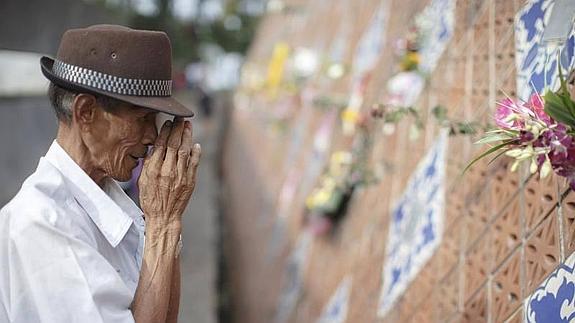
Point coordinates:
pixel 62 100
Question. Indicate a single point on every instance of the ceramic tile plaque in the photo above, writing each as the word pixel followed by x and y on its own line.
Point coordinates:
pixel 336 309
pixel 435 25
pixel 365 58
pixel 416 225
pixel 437 21
pixel 554 300
pixel 537 61
pixel 292 278
pixel 371 43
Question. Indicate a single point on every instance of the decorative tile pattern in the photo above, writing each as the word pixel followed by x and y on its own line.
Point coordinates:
pixel 292 280
pixel 416 225
pixel 475 8
pixel 421 287
pixel 336 310
pixel 505 11
pixel 554 300
pixel 476 218
pixel 568 213
pixel 475 310
pixel 505 185
pixel 516 317
pixel 537 63
pixel 504 15
pixel 480 54
pixel 506 288
pixel 448 252
pixel 506 232
pixel 427 310
pixel 449 291
pixel 478 261
pixel 541 252
pixel 371 44
pixel 506 81
pixel 540 199
pixel 439 17
pixel 455 203
pixel 406 306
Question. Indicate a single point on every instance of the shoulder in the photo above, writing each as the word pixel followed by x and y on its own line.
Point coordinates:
pixel 43 201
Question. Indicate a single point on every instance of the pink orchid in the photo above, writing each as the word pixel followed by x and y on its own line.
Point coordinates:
pixel 536 105
pixel 504 113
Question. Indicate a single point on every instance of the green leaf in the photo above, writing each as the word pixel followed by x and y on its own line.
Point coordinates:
pixel 568 103
pixel 488 152
pixel 563 94
pixel 510 133
pixel 492 138
pixel 439 112
pixel 497 156
pixel 555 107
pixel 466 128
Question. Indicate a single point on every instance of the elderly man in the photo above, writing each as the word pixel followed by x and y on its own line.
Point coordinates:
pixel 71 242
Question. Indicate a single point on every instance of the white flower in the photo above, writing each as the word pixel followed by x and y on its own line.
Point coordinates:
pixel 533 167
pixel 545 168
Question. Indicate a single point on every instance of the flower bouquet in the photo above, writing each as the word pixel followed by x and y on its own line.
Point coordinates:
pixel 327 201
pixel 346 171
pixel 539 132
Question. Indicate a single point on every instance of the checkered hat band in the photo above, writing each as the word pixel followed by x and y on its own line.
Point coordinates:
pixel 110 83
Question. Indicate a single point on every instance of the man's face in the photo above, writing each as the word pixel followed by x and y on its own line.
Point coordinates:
pixel 121 138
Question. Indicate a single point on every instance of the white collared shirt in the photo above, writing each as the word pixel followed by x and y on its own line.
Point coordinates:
pixel 69 251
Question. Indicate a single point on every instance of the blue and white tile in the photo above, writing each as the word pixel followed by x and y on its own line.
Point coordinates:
pixel 537 62
pixel 371 43
pixel 416 226
pixel 293 278
pixel 554 300
pixel 437 22
pixel 336 309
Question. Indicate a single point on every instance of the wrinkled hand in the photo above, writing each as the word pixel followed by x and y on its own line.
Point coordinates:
pixel 169 175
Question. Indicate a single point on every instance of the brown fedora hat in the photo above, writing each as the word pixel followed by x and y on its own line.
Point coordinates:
pixel 130 65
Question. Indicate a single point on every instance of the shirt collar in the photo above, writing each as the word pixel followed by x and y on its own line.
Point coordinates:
pixel 110 208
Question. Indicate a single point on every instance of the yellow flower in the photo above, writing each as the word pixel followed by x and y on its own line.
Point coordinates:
pixel 322 197
pixel 276 66
pixel 410 61
pixel 341 157
pixel 349 115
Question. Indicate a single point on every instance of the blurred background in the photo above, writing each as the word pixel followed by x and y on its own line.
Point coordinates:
pixel 209 40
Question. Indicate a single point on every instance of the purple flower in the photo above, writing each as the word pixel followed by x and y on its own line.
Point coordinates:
pixel 562 152
pixel 551 142
pixel 526 136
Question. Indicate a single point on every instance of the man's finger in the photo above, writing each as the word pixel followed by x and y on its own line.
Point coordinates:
pixel 187 135
pixel 175 139
pixel 194 162
pixel 173 145
pixel 185 150
pixel 159 150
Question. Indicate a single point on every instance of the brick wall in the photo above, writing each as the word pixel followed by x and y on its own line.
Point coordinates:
pixel 504 231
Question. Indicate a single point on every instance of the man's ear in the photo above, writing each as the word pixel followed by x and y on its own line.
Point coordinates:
pixel 84 109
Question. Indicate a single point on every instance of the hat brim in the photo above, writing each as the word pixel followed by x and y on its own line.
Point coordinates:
pixel 164 104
